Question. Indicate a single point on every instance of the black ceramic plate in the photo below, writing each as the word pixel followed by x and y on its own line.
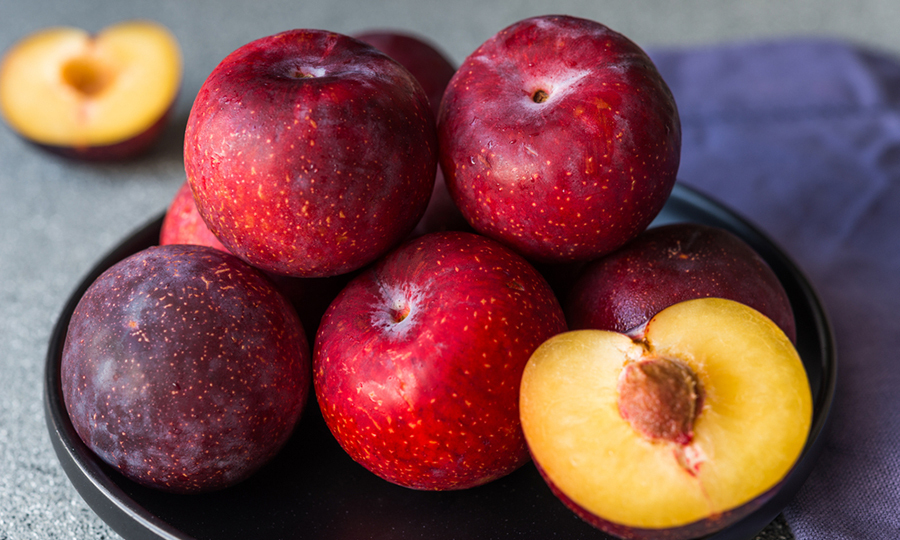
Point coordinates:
pixel 312 490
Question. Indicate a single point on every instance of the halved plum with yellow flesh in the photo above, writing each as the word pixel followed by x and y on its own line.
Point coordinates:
pixel 92 96
pixel 677 432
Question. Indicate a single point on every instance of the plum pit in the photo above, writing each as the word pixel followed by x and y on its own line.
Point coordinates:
pixel 660 398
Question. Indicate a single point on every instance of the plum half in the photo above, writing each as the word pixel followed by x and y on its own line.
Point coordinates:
pixel 676 433
pixel 100 96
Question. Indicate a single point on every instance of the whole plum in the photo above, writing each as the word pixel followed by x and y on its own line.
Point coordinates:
pixel 184 368
pixel 559 138
pixel 669 264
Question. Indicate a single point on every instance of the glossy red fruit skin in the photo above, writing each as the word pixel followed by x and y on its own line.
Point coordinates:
pixel 183 224
pixel 431 403
pixel 310 153
pixel 429 65
pixel 433 70
pixel 184 369
pixel 575 176
pixel 669 264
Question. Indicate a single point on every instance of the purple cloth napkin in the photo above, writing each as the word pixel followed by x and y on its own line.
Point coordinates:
pixel 802 137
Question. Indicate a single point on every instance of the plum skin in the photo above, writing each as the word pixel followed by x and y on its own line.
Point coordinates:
pixel 668 264
pixel 433 70
pixel 182 223
pixel 301 147
pixel 559 137
pixel 184 368
pixel 417 362
pixel 427 64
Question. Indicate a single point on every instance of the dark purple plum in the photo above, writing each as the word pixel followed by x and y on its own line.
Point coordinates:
pixel 668 264
pixel 185 368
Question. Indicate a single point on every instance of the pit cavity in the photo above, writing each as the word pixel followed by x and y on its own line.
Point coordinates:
pixel 660 398
pixel 87 75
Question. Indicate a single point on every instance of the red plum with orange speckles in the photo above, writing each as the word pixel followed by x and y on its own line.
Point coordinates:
pixel 560 138
pixel 417 363
pixel 310 153
pixel 183 224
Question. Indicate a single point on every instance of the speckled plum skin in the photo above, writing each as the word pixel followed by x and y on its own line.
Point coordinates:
pixel 418 362
pixel 559 137
pixel 429 66
pixel 433 70
pixel 310 153
pixel 184 368
pixel 669 264
pixel 183 224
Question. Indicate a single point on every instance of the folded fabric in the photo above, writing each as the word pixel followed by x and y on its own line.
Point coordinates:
pixel 802 137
